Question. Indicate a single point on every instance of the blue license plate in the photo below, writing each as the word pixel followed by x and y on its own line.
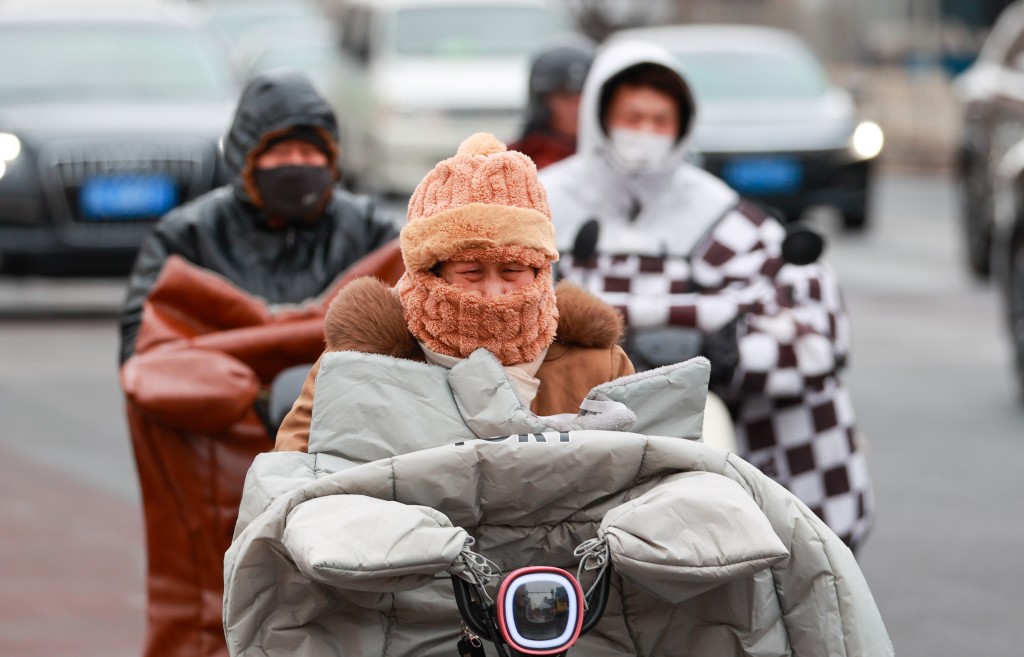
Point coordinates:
pixel 129 196
pixel 764 175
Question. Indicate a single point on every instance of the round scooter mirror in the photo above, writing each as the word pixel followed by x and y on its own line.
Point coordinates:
pixel 802 245
pixel 540 610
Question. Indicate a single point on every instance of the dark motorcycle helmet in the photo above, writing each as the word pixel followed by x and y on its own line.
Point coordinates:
pixel 559 67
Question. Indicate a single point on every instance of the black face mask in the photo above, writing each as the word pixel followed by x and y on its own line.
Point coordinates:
pixel 293 194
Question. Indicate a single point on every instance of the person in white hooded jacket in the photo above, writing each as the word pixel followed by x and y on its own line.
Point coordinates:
pixel 672 245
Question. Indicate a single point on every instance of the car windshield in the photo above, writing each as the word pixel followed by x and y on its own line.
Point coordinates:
pixel 110 62
pixel 309 47
pixel 236 19
pixel 734 75
pixel 313 59
pixel 473 31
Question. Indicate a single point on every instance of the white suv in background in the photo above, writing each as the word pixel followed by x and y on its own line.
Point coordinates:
pixel 418 76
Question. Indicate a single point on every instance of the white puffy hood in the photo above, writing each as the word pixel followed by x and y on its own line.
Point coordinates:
pixel 659 213
pixel 611 61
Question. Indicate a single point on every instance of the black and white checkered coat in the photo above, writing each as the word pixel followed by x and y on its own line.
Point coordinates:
pixel 677 246
pixel 794 418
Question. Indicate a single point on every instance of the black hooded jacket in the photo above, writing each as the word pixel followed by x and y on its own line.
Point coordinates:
pixel 224 232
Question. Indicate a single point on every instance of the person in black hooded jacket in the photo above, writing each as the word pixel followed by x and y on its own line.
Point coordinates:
pixel 281 229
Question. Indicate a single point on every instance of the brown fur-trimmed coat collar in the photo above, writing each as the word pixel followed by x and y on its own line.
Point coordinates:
pixel 367 316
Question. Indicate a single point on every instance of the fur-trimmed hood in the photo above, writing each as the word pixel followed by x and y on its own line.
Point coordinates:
pixel 367 316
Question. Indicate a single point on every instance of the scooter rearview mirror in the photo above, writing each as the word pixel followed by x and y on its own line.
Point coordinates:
pixel 584 247
pixel 540 610
pixel 802 246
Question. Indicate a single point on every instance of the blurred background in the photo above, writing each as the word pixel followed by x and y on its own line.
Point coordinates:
pixel 893 126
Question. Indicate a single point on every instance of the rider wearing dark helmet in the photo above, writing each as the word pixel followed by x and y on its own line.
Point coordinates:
pixel 556 81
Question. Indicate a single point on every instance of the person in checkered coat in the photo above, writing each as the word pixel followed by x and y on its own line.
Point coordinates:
pixel 675 246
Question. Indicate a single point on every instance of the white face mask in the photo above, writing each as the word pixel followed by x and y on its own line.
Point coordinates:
pixel 641 151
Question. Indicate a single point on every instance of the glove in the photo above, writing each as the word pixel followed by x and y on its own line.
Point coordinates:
pixel 722 349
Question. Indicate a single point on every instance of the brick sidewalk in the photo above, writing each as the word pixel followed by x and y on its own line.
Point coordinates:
pixel 72 566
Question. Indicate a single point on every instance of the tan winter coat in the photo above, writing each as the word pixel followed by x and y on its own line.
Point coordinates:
pixel 367 317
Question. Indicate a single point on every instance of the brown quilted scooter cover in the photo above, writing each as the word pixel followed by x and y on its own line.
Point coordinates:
pixel 206 351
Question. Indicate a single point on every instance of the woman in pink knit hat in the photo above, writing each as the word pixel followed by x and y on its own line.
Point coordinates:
pixel 478 249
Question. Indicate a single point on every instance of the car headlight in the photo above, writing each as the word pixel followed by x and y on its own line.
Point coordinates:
pixel 10 147
pixel 868 140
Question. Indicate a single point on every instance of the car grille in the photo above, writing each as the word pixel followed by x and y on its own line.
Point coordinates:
pixel 188 164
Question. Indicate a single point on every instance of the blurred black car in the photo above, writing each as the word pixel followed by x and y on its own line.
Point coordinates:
pixel 110 115
pixel 991 94
pixel 770 121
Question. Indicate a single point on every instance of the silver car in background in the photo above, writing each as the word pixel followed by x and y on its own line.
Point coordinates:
pixel 110 115
pixel 419 76
pixel 770 121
